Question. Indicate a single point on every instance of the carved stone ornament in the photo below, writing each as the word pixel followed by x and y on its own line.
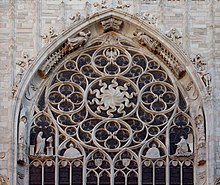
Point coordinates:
pixel 72 152
pixel 201 144
pixel 4 180
pixel 112 24
pixel 50 35
pixel 72 44
pixel 193 93
pixel 101 5
pixel 146 40
pixel 76 17
pixel 201 67
pixel 156 47
pixel 174 36
pixel 182 147
pixel 153 152
pixel 217 182
pixel 149 18
pixel 199 63
pixel 23 64
pixel 121 5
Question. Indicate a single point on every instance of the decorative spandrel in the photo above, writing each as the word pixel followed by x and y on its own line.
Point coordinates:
pixel 111 108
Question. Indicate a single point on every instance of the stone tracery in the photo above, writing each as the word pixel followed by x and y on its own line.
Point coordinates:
pixel 111 105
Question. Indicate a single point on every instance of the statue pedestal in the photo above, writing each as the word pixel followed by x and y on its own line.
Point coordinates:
pixel 49 150
pixel 32 149
pixel 21 154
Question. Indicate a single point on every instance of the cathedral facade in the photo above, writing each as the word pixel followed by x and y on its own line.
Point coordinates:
pixel 109 92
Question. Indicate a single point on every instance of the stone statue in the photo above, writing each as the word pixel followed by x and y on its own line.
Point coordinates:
pixel 201 141
pixel 40 145
pixel 22 137
pixel 72 152
pixel 144 39
pixel 182 147
pixel 153 152
pixel 22 130
pixel 79 40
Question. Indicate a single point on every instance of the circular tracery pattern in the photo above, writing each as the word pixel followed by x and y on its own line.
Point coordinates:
pixel 112 97
pixel 112 83
pixel 114 103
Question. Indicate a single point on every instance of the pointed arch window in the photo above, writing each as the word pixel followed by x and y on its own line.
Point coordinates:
pixel 111 114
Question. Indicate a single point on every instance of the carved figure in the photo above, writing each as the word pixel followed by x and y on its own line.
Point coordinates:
pixel 72 152
pixel 50 35
pixel 153 152
pixel 182 147
pixel 4 180
pixel 40 145
pixel 100 6
pixel 76 17
pixel 199 63
pixel 79 40
pixel 150 18
pixel 174 35
pixel 22 130
pixel 120 5
pixel 145 40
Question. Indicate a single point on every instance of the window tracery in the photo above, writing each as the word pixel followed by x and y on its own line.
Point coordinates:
pixel 109 115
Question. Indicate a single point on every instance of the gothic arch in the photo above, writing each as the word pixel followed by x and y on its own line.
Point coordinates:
pixel 128 37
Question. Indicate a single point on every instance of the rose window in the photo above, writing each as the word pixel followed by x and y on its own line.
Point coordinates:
pixel 111 115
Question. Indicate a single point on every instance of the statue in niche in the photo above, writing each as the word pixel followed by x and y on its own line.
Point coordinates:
pixel 201 141
pixel 79 40
pixel 145 40
pixel 40 144
pixel 174 36
pixel 153 152
pixel 22 137
pixel 182 147
pixel 72 152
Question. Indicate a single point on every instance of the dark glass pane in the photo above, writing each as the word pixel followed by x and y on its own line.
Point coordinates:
pixel 147 175
pixel 160 175
pixel 188 175
pixel 35 175
pixel 91 179
pixel 174 175
pixel 77 175
pixel 119 179
pixel 104 179
pixel 64 175
pixel 49 175
pixel 132 179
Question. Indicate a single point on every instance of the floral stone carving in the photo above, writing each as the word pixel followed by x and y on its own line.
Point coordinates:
pixel 111 99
